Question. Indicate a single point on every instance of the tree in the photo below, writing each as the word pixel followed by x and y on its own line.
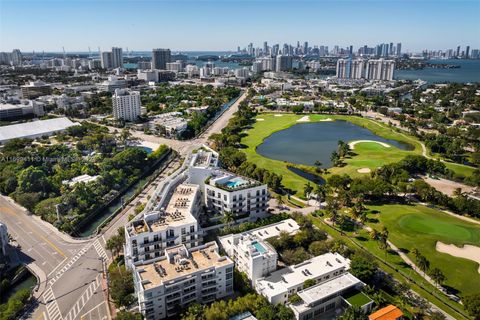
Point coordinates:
pixel 437 275
pixel 423 264
pixel 307 189
pixel 228 218
pixel 353 313
pixel 115 244
pixel 121 285
pixel 32 179
pixel 363 267
pixel 318 166
pixel 472 305
pixel 280 201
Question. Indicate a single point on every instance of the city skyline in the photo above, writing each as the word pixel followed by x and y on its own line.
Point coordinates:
pixel 224 25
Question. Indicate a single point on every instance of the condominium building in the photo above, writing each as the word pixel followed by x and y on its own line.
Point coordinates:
pixel 126 105
pixel 251 253
pixel 35 89
pixel 284 63
pixel 117 58
pixel 254 256
pixel 379 69
pixel 182 276
pixel 225 191
pixel 333 288
pixel 160 58
pixel 172 222
pixel 106 60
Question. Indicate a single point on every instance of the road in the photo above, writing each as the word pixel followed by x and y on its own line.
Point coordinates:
pixel 71 275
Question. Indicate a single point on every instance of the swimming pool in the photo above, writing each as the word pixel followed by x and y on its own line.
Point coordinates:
pixel 258 247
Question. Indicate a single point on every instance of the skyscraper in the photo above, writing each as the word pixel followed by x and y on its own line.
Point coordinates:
pixel 107 60
pixel 265 48
pixel 458 51
pixel 126 104
pixel 17 58
pixel 399 49
pixel 284 63
pixel 117 58
pixel 467 52
pixel 160 58
pixel 305 47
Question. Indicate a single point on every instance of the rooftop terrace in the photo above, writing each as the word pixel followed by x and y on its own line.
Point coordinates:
pixel 179 262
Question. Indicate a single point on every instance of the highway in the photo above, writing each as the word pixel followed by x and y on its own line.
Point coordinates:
pixel 71 271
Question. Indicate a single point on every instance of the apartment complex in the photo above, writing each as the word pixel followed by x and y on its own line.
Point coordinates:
pixel 251 253
pixel 126 105
pixel 160 58
pixel 378 69
pixel 225 191
pixel 17 111
pixel 180 277
pixel 173 222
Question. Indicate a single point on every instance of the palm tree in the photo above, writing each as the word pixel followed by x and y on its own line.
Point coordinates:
pixel 363 217
pixel 228 218
pixel 374 234
pixel 457 193
pixel 358 209
pixel 280 201
pixel 318 166
pixel 307 189
pixel 416 253
pixel 437 275
pixel 423 264
pixel 353 313
pixel 321 192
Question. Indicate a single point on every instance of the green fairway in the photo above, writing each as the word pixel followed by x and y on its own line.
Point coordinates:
pixel 421 227
pixel 368 155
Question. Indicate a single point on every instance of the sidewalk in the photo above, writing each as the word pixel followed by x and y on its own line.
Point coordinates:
pixel 41 279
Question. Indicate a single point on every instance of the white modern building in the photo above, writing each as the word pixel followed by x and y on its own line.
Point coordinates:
pixel 35 129
pixel 255 257
pixel 172 222
pixel 225 191
pixel 379 69
pixel 169 124
pixel 331 297
pixel 111 84
pixel 126 105
pixel 333 287
pixel 180 277
pixel 252 253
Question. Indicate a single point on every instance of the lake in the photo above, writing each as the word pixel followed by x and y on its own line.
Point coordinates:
pixel 469 71
pixel 305 143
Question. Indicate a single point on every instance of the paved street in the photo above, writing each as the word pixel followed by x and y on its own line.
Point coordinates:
pixel 72 284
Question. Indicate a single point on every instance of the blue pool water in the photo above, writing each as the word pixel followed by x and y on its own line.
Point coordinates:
pixel 259 247
pixel 147 149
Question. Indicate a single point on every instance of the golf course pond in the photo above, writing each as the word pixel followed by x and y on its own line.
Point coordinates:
pixel 306 143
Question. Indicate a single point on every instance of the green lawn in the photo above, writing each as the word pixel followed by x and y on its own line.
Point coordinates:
pixel 368 155
pixel 421 227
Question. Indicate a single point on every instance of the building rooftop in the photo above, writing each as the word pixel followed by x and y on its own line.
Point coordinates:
pixel 294 276
pixel 204 159
pixel 325 289
pixel 231 182
pixel 178 211
pixel 35 128
pixel 85 178
pixel 273 230
pixel 390 312
pixel 180 262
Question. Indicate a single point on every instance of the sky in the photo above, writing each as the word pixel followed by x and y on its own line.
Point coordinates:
pixel 211 25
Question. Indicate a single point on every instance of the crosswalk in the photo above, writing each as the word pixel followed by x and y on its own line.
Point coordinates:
pixel 51 305
pixel 86 295
pixel 101 252
pixel 67 266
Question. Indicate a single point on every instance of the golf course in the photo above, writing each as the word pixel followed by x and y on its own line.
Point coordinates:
pixel 365 156
pixel 420 227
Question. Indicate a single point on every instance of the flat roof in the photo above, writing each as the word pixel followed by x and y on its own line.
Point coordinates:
pixel 293 276
pixel 324 290
pixel 178 211
pixel 35 128
pixel 197 259
pixel 273 230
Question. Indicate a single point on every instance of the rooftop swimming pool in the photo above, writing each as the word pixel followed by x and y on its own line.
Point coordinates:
pixel 259 247
pixel 235 182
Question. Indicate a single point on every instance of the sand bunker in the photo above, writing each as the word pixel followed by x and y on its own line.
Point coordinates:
pixel 467 251
pixel 364 170
pixel 304 119
pixel 328 119
pixel 279 115
pixel 260 119
pixel 353 143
